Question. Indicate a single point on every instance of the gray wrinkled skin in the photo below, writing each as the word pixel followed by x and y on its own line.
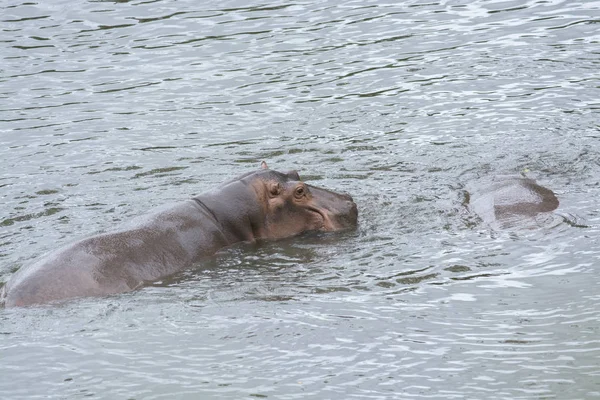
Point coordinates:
pixel 260 205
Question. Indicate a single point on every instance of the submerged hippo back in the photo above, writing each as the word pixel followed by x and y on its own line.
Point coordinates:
pixel 510 201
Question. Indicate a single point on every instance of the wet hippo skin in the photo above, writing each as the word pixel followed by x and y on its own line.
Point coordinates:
pixel 263 204
pixel 508 200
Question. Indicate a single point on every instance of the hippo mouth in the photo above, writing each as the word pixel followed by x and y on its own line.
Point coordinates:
pixel 324 221
pixel 332 223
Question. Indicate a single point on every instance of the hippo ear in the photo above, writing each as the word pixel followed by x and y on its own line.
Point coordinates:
pixel 294 175
pixel 263 165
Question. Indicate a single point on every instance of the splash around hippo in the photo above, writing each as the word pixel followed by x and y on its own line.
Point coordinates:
pixel 263 204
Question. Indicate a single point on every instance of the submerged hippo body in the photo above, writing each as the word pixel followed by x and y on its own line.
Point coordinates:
pixel 259 205
pixel 512 201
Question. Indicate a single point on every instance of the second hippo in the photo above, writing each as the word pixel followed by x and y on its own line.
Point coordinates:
pixel 511 200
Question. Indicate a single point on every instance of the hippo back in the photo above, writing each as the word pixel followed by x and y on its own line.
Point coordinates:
pixel 512 201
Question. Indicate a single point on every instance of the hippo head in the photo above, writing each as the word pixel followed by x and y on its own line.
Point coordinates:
pixel 290 206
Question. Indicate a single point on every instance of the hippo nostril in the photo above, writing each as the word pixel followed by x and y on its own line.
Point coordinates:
pixel 353 213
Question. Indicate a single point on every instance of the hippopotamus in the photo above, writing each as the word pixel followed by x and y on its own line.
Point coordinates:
pixel 510 201
pixel 263 204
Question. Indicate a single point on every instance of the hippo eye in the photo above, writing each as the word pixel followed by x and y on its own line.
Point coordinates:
pixel 299 192
pixel 275 189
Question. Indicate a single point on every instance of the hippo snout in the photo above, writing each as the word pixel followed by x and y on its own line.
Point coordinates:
pixel 346 216
pixel 338 210
pixel 353 214
pixel 347 197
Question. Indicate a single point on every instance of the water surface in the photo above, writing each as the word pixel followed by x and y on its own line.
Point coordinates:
pixel 108 109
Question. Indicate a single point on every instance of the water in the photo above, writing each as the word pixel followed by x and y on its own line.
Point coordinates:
pixel 111 108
